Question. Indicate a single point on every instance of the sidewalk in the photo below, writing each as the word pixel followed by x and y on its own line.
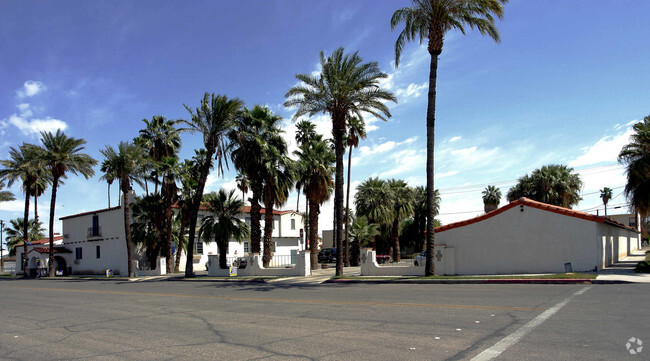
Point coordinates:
pixel 624 269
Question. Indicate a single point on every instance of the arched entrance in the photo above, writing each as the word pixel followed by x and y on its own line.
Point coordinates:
pixel 60 267
pixel 34 263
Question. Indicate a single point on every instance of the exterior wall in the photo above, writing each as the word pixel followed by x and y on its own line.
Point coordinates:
pixel 532 241
pixel 113 254
pixel 617 243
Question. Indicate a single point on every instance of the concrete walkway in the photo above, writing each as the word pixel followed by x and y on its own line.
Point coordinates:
pixel 317 276
pixel 623 270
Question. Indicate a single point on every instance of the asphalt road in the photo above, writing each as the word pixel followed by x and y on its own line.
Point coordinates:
pixel 170 320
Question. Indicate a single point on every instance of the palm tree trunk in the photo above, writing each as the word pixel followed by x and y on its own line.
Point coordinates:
pixel 127 229
pixel 313 232
pixel 298 201
pixel 395 233
pixel 346 259
pixel 339 131
pixel 268 229
pixel 25 235
pixel 196 203
pixel 168 231
pixel 109 195
pixel 36 208
pixel 55 185
pixel 429 269
pixel 223 251
pixel 256 232
pixel 181 241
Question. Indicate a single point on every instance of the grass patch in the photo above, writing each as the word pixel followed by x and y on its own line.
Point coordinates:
pixel 556 276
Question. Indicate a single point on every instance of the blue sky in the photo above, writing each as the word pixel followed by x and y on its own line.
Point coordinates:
pixel 564 86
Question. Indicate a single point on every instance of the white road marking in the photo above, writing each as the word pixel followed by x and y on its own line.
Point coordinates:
pixel 514 337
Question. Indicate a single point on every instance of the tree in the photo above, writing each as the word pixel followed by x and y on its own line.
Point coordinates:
pixel 430 20
pixel 16 233
pixel 5 196
pixel 401 199
pixel 345 87
pixel 371 202
pixel 305 134
pixel 222 222
pixel 161 139
pixel 420 214
pixel 189 173
pixel 551 184
pixel 213 119
pixel 363 234
pixel 23 166
pixel 125 164
pixel 606 195
pixel 491 198
pixel 148 226
pixel 61 154
pixel 356 131
pixel 636 157
pixel 314 173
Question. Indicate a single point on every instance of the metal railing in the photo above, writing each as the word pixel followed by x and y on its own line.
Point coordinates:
pixel 282 261
pixel 97 232
pixel 406 260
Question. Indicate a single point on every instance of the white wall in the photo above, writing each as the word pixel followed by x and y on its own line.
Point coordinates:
pixel 532 241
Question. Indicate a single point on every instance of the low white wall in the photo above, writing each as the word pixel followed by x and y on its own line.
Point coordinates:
pixel 369 267
pixel 161 269
pixel 255 267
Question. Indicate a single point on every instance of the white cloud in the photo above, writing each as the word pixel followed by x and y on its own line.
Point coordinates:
pixel 411 91
pixel 406 161
pixel 446 174
pixel 464 152
pixel 606 149
pixel 25 110
pixel 35 126
pixel 455 139
pixel 30 88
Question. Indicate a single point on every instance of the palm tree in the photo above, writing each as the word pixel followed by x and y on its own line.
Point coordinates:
pixel 39 187
pixel 345 87
pixel 16 233
pixel 552 184
pixel 243 184
pixel 430 20
pixel 314 173
pixel 371 202
pixel 222 223
pixel 108 176
pixel 148 226
pixel 606 195
pixel 305 134
pixel 420 214
pixel 356 131
pixel 491 198
pixel 189 173
pixel 125 164
pixel 61 154
pixel 401 199
pixel 636 157
pixel 213 119
pixel 5 196
pixel 161 139
pixel 22 166
pixel 363 234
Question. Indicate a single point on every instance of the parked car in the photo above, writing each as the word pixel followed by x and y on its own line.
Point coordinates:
pixel 383 258
pixel 421 259
pixel 240 262
pixel 327 255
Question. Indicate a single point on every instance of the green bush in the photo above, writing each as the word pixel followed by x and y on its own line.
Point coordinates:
pixel 642 267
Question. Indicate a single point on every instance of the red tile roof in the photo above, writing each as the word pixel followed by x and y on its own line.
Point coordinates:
pixel 539 205
pixel 55 250
pixel 245 209
pixel 90 212
pixel 42 241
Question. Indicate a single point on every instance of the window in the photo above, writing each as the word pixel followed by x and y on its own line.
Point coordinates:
pixel 246 247
pixel 78 254
pixel 95 226
pixel 276 223
pixel 248 220
pixel 632 222
pixel 199 248
pixel 293 224
pixel 98 251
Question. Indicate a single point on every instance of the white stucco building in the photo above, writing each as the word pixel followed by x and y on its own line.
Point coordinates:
pixel 526 236
pixel 94 241
pixel 38 255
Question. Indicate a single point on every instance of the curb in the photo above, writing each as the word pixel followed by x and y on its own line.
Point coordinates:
pixel 481 281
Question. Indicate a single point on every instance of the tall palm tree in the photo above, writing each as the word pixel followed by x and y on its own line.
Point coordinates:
pixel 213 119
pixel 606 195
pixel 636 157
pixel 16 233
pixel 345 87
pixel 61 154
pixel 243 184
pixel 430 20
pixel 39 187
pixel 356 131
pixel 148 226
pixel 125 164
pixel 108 176
pixel 401 199
pixel 189 173
pixel 160 138
pixel 420 214
pixel 314 172
pixel 223 223
pixel 25 167
pixel 305 134
pixel 5 196
pixel 554 184
pixel 491 198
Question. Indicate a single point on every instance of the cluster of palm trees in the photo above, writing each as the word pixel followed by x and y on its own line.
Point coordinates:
pixel 552 184
pixel 37 167
pixel 384 208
